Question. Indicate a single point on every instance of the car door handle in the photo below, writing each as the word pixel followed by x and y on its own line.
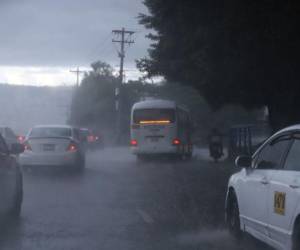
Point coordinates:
pixel 294 186
pixel 264 181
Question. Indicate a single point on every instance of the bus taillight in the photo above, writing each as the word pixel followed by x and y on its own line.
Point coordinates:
pixel 155 122
pixel 133 143
pixel 176 142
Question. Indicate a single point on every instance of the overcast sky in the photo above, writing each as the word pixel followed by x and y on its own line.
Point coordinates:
pixel 41 40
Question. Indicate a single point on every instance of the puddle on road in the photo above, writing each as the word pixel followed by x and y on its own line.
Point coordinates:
pixel 111 155
pixel 216 239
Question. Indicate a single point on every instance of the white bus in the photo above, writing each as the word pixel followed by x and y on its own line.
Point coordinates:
pixel 160 127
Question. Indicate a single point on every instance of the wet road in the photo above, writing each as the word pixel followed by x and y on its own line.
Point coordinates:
pixel 120 204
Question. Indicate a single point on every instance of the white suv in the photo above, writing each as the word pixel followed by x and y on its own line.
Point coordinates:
pixel 263 198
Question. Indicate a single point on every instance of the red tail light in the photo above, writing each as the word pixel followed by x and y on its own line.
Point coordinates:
pixel 90 138
pixel 176 142
pixel 72 147
pixel 27 146
pixel 133 143
pixel 21 138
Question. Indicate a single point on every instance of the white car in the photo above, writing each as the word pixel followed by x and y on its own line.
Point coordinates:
pixel 53 146
pixel 263 198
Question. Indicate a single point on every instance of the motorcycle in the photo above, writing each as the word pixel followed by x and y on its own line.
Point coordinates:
pixel 216 151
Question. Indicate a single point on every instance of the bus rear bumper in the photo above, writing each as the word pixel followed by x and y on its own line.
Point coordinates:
pixel 154 151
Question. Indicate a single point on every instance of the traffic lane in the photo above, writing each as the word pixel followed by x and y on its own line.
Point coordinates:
pixel 71 212
pixel 189 202
pixel 95 210
pixel 182 203
pixel 119 204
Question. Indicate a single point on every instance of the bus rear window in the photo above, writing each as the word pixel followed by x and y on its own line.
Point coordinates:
pixel 158 116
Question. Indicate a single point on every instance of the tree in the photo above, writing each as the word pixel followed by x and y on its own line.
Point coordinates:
pixel 235 51
pixel 93 102
pixel 102 69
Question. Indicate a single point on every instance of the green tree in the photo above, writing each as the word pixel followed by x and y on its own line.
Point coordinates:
pixel 93 102
pixel 235 51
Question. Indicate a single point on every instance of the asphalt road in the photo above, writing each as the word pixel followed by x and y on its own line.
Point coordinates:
pixel 119 204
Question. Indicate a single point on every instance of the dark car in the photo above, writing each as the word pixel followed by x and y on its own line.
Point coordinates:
pixel 11 188
pixel 9 136
pixel 93 141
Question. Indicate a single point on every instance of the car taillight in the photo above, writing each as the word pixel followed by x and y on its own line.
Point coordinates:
pixel 133 143
pixel 91 138
pixel 72 147
pixel 27 146
pixel 176 142
pixel 21 138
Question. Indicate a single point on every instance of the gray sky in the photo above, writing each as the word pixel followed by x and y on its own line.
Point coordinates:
pixel 48 37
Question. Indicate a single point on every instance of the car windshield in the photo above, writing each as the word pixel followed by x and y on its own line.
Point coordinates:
pixel 50 132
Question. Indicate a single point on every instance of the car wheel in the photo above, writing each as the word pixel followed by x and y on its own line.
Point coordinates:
pixel 18 197
pixel 296 236
pixel 233 217
pixel 176 157
pixel 188 156
pixel 140 158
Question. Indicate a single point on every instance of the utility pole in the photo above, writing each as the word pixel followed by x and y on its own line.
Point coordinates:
pixel 78 72
pixel 123 37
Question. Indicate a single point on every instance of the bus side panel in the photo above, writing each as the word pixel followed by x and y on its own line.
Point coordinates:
pixel 184 131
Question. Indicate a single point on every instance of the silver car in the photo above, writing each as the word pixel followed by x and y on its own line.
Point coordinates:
pixel 56 145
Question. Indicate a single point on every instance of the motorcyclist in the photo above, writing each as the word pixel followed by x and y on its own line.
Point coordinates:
pixel 215 142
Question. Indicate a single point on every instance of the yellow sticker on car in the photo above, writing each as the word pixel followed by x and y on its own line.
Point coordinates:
pixel 279 203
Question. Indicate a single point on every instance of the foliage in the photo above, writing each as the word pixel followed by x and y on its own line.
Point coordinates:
pixel 93 102
pixel 204 117
pixel 236 51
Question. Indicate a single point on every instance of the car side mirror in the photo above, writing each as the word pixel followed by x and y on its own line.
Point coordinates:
pixel 17 148
pixel 243 161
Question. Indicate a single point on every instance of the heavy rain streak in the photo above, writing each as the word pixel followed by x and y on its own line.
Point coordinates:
pixel 145 124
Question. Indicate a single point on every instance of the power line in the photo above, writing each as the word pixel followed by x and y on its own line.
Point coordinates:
pixel 122 41
pixel 95 50
pixel 78 72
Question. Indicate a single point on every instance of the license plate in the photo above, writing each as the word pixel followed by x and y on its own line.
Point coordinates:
pixel 279 203
pixel 154 127
pixel 48 147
